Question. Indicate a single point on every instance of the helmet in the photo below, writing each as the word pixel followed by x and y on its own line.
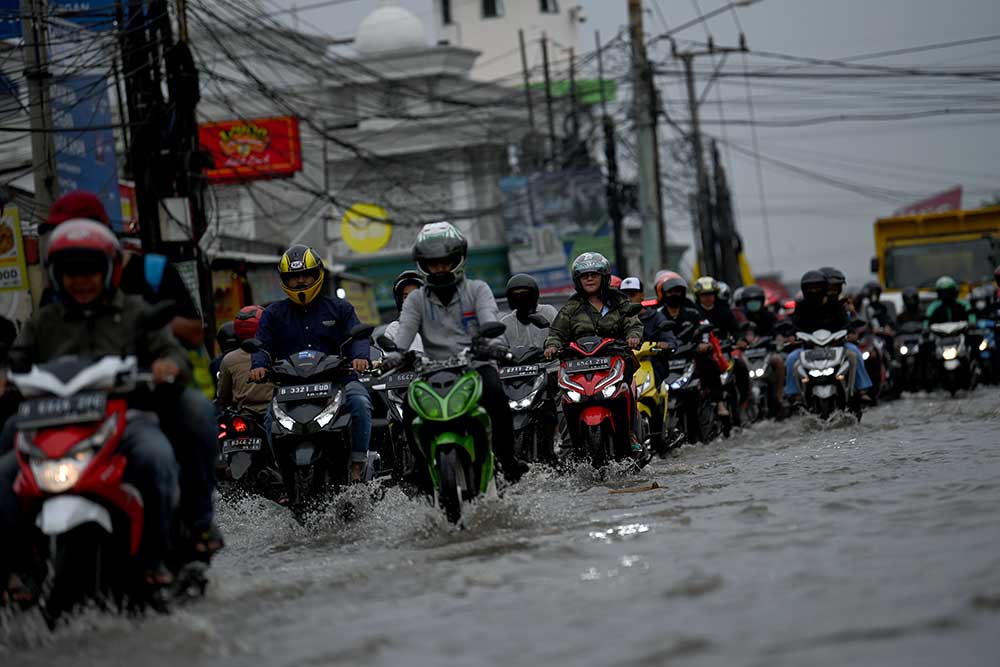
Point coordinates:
pixel 672 283
pixel 616 282
pixel 226 338
pixel 297 260
pixel 246 322
pixel 441 241
pixel 661 277
pixel 75 205
pixel 911 298
pixel 813 278
pixel 591 262
pixel 402 280
pixel 834 277
pixel 724 292
pixel 705 285
pixel 983 296
pixel 751 293
pixel 872 290
pixel 738 294
pixel 84 245
pixel 946 288
pixel 518 283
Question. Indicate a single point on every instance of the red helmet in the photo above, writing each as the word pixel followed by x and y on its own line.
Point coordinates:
pixel 616 282
pixel 662 277
pixel 75 205
pixel 84 245
pixel 246 322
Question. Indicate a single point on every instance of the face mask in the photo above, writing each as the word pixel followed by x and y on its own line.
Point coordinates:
pixel 980 305
pixel 675 300
pixel 754 306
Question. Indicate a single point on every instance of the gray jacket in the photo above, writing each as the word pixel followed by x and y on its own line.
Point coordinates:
pixel 446 330
pixel 528 335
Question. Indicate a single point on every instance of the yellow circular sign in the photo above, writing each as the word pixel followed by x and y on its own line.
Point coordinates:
pixel 363 230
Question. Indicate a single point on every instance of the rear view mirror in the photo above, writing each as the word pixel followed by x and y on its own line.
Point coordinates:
pixel 251 345
pixel 874 265
pixel 387 344
pixel 492 330
pixel 539 320
pixel 158 316
pixel 362 331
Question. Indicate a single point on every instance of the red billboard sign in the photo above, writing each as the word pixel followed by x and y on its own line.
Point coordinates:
pixel 248 150
pixel 949 200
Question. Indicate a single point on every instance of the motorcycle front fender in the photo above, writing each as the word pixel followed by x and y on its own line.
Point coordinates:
pixel 305 454
pixel 61 514
pixel 823 391
pixel 594 415
pixel 951 364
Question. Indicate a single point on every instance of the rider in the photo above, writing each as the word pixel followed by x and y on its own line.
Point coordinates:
pixel 522 297
pixel 707 291
pixel 94 319
pixel 750 308
pixel 948 307
pixel 406 283
pixel 813 312
pixel 308 320
pixel 880 314
pixel 227 340
pixel 235 388
pixel 652 322
pixel 911 307
pixel 678 308
pixel 448 312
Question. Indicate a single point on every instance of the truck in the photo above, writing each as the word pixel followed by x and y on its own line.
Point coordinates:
pixel 916 250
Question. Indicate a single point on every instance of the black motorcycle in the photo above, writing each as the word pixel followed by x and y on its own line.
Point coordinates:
pixel 245 460
pixel 758 359
pixel 527 382
pixel 691 414
pixel 910 374
pixel 956 354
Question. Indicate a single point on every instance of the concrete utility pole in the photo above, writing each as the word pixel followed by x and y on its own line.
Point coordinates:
pixel 612 190
pixel 36 72
pixel 548 99
pixel 645 122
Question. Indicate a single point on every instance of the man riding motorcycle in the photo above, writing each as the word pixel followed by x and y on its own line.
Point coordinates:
pixel 308 320
pixel 448 312
pixel 90 317
pixel 876 310
pixel 235 388
pixel 707 291
pixel 522 298
pixel 947 307
pixel 652 321
pixel 911 307
pixel 750 309
pixel 819 309
pixel 406 283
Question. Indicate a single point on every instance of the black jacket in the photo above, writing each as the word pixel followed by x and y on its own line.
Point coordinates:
pixel 722 319
pixel 652 319
pixel 689 313
pixel 810 317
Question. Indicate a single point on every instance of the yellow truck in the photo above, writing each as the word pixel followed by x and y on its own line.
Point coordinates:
pixel 916 250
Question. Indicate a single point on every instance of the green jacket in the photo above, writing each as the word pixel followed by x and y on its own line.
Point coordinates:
pixel 578 319
pixel 112 328
pixel 940 312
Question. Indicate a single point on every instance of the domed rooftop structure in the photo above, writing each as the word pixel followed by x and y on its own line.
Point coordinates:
pixel 388 29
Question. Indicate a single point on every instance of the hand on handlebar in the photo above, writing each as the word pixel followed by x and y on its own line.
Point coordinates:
pixel 359 365
pixel 704 347
pixel 164 371
pixel 258 374
pixel 633 342
pixel 551 351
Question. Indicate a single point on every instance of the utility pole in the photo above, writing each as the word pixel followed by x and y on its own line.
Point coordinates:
pixel 548 99
pixel 611 188
pixel 645 122
pixel 34 14
pixel 712 261
pixel 527 81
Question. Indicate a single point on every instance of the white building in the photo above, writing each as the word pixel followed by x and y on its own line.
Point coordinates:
pixel 491 26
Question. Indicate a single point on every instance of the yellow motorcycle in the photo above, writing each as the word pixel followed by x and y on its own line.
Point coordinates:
pixel 651 397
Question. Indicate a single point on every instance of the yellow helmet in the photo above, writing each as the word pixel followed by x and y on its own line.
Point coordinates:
pixel 298 260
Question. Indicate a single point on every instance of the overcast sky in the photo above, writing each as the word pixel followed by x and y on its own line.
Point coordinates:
pixel 813 223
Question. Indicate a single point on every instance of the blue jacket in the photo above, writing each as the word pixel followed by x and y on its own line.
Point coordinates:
pixel 323 325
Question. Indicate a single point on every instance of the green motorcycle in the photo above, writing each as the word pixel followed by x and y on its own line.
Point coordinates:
pixel 451 429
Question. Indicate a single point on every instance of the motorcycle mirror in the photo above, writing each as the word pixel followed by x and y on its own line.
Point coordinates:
pixel 387 344
pixel 251 345
pixel 361 331
pixel 157 316
pixel 539 320
pixel 492 330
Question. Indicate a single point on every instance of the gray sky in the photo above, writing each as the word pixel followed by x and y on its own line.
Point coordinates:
pixel 812 223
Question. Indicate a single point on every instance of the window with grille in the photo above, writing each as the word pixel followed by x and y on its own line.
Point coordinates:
pixel 492 9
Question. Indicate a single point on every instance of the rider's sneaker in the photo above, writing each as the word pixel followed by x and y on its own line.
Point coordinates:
pixel 636 445
pixel 514 469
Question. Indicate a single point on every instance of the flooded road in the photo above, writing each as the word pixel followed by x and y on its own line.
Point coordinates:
pixel 790 544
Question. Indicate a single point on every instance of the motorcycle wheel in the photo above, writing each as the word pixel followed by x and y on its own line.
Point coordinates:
pixel 824 408
pixel 78 571
pixel 599 445
pixel 453 492
pixel 705 422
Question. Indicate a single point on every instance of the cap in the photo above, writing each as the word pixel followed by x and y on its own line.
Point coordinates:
pixel 631 283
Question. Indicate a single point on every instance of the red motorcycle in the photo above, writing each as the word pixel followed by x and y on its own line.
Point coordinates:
pixel 598 398
pixel 89 522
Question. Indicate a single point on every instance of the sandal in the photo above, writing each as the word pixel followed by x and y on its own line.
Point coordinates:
pixel 206 541
pixel 158 577
pixel 17 592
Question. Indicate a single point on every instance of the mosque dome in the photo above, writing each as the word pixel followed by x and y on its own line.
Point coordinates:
pixel 389 28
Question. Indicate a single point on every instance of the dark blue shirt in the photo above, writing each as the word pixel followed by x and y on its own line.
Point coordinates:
pixel 323 325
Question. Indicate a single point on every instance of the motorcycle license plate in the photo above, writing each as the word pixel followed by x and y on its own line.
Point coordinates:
pixel 54 411
pixel 304 392
pixel 400 380
pixel 241 445
pixel 587 365
pixel 819 354
pixel 509 372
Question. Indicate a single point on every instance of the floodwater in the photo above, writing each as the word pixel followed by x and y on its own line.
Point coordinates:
pixel 789 544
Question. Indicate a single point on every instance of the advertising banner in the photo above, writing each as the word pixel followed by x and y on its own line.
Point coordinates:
pixel 13 269
pixel 949 200
pixel 248 150
pixel 550 218
pixel 89 14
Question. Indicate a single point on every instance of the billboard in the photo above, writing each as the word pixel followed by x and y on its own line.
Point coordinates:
pixel 248 150
pixel 85 158
pixel 13 270
pixel 89 14
pixel 552 217
pixel 949 200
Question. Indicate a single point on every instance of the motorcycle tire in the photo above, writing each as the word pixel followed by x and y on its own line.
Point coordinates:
pixel 78 572
pixel 454 489
pixel 600 445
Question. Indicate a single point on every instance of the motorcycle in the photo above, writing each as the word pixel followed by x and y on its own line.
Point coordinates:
pixel 909 372
pixel 245 461
pixel 88 522
pixel 758 359
pixel 597 400
pixel 651 396
pixel 525 380
pixel 311 430
pixel 691 414
pixel 824 374
pixel 957 366
pixel 450 426
pixel 986 333
pixel 388 427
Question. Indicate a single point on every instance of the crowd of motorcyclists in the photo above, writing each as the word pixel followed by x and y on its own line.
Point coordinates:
pixel 474 386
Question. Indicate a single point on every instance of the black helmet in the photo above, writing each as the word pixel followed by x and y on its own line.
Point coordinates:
pixel 752 293
pixel 441 241
pixel 813 279
pixel 834 277
pixel 518 301
pixel 226 337
pixel 872 290
pixel 911 298
pixel 402 280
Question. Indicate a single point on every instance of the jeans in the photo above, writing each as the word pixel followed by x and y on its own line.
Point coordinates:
pixel 359 404
pixel 190 425
pixel 151 468
pixel 861 379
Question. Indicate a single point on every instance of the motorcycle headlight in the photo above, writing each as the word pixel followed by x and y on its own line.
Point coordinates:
pixel 866 355
pixel 329 412
pixel 282 417
pixel 647 382
pixel 524 403
pixel 983 345
pixel 949 353
pixel 815 372
pixel 574 396
pixel 610 390
pixel 903 349
pixel 57 476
